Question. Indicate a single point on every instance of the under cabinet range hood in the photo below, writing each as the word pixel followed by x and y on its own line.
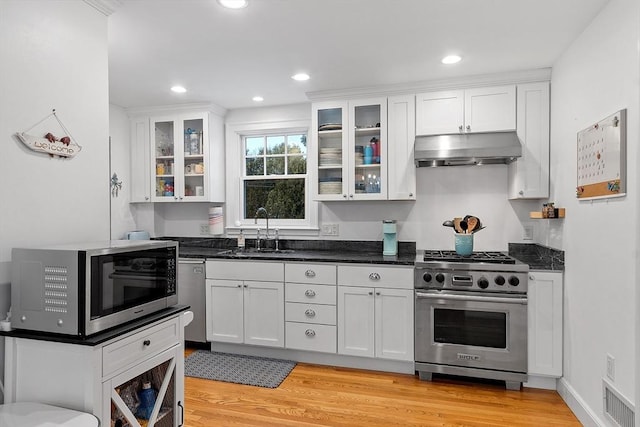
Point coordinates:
pixel 467 149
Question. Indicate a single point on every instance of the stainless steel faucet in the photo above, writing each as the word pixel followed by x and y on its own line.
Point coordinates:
pixel 266 215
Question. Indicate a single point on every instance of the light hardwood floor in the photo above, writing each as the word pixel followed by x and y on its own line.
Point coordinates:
pixel 314 395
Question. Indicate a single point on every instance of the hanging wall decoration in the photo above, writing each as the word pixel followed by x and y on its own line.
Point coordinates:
pixel 53 145
pixel 602 158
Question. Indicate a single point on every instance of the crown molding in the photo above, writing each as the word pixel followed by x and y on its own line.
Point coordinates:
pixel 162 109
pixel 106 7
pixel 518 77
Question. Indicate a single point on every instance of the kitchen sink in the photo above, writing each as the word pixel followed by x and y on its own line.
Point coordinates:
pixel 254 251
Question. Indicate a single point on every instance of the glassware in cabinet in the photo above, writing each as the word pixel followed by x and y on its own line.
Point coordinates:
pixel 194 158
pixel 330 122
pixel 368 134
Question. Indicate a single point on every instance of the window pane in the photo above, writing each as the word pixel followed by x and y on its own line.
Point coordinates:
pixel 297 165
pixel 255 166
pixel 254 146
pixel 275 165
pixel 275 144
pixel 297 144
pixel 283 198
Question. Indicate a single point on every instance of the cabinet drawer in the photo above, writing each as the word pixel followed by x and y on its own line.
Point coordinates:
pixel 140 346
pixel 310 313
pixel 373 275
pixel 245 270
pixel 307 336
pixel 311 294
pixel 310 273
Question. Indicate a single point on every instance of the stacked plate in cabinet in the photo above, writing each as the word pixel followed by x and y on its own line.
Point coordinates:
pixel 359 155
pixel 330 156
pixel 330 185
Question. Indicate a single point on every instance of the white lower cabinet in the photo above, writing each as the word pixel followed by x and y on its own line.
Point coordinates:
pixel 375 321
pixel 245 305
pixel 545 323
pixel 310 313
pixel 103 379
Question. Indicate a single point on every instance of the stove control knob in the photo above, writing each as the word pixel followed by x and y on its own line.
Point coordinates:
pixel 514 281
pixel 483 283
pixel 440 278
pixel 499 280
pixel 426 277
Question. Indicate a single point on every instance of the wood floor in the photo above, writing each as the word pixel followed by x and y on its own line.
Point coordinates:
pixel 314 395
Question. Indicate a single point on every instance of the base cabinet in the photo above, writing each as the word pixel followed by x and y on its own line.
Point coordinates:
pixel 545 323
pixel 104 379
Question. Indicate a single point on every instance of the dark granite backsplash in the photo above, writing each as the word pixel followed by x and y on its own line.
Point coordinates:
pixel 537 256
pixel 404 248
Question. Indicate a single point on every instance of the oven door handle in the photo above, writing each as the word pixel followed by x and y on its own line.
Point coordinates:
pixel 474 298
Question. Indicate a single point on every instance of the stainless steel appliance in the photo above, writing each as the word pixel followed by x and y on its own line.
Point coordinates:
pixel 471 316
pixel 192 293
pixel 82 289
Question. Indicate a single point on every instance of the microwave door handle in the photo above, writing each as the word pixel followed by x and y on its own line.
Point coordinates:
pixel 474 298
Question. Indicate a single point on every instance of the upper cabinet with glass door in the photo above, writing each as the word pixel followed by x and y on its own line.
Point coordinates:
pixel 179 149
pixel 368 149
pixel 350 139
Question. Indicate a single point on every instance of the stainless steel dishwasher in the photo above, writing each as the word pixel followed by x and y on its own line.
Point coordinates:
pixel 191 282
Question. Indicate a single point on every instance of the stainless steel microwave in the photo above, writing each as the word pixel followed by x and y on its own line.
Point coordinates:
pixel 83 289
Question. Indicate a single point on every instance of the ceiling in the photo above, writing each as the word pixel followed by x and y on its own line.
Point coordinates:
pixel 226 57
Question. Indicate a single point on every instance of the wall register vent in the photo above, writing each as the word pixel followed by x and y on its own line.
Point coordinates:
pixel 618 410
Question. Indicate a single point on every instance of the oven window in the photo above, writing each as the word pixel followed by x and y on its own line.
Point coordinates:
pixel 129 279
pixel 470 327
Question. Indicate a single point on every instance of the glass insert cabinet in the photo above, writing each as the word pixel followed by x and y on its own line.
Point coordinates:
pixel 351 157
pixel 179 152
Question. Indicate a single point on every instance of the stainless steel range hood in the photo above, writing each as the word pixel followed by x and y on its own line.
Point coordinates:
pixel 467 149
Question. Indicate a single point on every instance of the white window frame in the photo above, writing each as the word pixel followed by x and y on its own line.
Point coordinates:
pixel 235 172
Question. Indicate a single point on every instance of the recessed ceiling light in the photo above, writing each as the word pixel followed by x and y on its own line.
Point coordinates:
pixel 178 89
pixel 258 98
pixel 451 59
pixel 233 4
pixel 300 77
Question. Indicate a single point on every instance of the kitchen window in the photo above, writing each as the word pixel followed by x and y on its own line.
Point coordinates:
pixel 267 166
pixel 275 175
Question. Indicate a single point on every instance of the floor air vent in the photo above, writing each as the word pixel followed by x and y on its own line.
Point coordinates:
pixel 616 407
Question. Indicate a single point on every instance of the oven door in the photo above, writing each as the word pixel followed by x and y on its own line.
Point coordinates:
pixel 470 330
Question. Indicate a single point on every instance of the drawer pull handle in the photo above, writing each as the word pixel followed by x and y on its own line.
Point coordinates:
pixel 146 343
pixel 310 333
pixel 374 276
pixel 310 273
pixel 310 293
pixel 310 313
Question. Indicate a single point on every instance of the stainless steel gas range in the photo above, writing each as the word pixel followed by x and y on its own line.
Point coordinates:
pixel 471 316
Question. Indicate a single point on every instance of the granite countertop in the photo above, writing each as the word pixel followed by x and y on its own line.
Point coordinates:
pixel 333 251
pixel 538 257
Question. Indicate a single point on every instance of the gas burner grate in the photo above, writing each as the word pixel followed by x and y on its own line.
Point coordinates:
pixel 452 256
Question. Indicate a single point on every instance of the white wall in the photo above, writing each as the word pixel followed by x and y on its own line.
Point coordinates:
pixel 52 55
pixel 595 77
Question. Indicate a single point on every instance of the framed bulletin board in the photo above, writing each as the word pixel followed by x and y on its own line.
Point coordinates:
pixel 602 158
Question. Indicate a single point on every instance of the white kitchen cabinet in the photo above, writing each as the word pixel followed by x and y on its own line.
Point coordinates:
pixel 242 308
pixel 401 129
pixel 179 155
pixel 485 109
pixel 529 175
pixel 140 160
pixel 103 379
pixel 310 310
pixel 545 295
pixel 375 321
pixel 350 140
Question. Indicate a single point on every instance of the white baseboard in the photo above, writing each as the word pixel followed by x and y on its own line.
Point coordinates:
pixel 578 406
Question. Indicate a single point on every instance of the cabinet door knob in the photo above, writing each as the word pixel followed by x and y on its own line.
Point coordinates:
pixel 310 293
pixel 246 286
pixel 374 276
pixel 460 128
pixel 344 195
pixel 239 286
pixel 521 192
pixel 531 277
pixel 378 293
pixel 410 194
pixel 468 127
pixel 370 292
pixel 310 273
pixel 146 343
pixel 310 333
pixel 146 198
pixel 351 195
pixel 310 312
